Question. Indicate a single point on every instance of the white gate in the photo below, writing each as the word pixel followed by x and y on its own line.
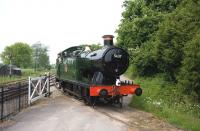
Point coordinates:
pixel 38 88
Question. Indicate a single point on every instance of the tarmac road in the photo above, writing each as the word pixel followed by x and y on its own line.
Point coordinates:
pixel 65 113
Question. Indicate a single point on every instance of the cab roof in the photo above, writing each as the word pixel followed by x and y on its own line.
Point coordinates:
pixel 71 49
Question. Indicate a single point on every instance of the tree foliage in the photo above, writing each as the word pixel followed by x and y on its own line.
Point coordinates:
pixel 189 76
pixel 161 36
pixel 40 56
pixel 19 53
pixel 178 28
pixel 141 19
pixel 24 56
pixel 140 23
pixel 93 47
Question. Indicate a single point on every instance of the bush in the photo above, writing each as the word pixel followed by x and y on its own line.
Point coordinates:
pixel 145 62
pixel 165 100
pixel 189 77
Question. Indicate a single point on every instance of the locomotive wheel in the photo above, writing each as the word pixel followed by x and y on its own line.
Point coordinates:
pixel 108 101
pixel 64 89
pixel 117 101
pixel 121 102
pixel 89 101
pixel 69 87
pixel 92 100
pixel 86 96
pixel 85 101
pixel 70 94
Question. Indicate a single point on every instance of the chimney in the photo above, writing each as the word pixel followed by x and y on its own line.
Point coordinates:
pixel 108 40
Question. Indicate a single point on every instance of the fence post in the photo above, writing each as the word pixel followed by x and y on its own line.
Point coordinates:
pixel 48 85
pixel 2 102
pixel 29 90
pixel 19 89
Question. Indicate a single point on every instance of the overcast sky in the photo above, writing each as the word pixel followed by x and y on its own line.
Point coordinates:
pixel 58 24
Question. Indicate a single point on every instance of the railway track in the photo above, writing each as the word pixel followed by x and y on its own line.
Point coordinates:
pixel 64 112
pixel 132 118
pixel 103 109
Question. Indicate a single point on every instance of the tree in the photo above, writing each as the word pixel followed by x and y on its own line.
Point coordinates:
pixel 40 56
pixel 19 53
pixel 162 36
pixel 189 76
pixel 178 28
pixel 93 47
pixel 141 21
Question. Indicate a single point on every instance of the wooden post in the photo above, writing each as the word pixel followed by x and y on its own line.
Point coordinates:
pixel 48 84
pixel 2 102
pixel 29 91
pixel 19 91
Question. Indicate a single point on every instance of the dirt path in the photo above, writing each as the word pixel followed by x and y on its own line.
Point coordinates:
pixel 65 113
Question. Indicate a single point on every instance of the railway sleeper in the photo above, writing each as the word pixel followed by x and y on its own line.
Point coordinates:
pixel 71 92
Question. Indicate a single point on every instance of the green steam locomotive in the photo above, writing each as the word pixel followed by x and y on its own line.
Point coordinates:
pixel 93 75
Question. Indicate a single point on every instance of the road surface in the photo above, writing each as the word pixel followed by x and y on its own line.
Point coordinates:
pixel 65 113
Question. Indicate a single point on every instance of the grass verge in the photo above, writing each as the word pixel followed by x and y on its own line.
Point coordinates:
pixel 166 101
pixel 25 74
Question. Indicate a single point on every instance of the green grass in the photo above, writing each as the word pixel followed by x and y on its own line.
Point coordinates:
pixel 25 74
pixel 166 101
pixel 8 79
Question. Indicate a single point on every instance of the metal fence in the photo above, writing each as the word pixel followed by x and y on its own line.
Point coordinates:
pixel 14 97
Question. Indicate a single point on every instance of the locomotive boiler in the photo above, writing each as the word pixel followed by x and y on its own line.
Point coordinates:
pixel 94 75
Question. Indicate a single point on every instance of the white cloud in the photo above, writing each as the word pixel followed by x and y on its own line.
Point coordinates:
pixel 57 23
